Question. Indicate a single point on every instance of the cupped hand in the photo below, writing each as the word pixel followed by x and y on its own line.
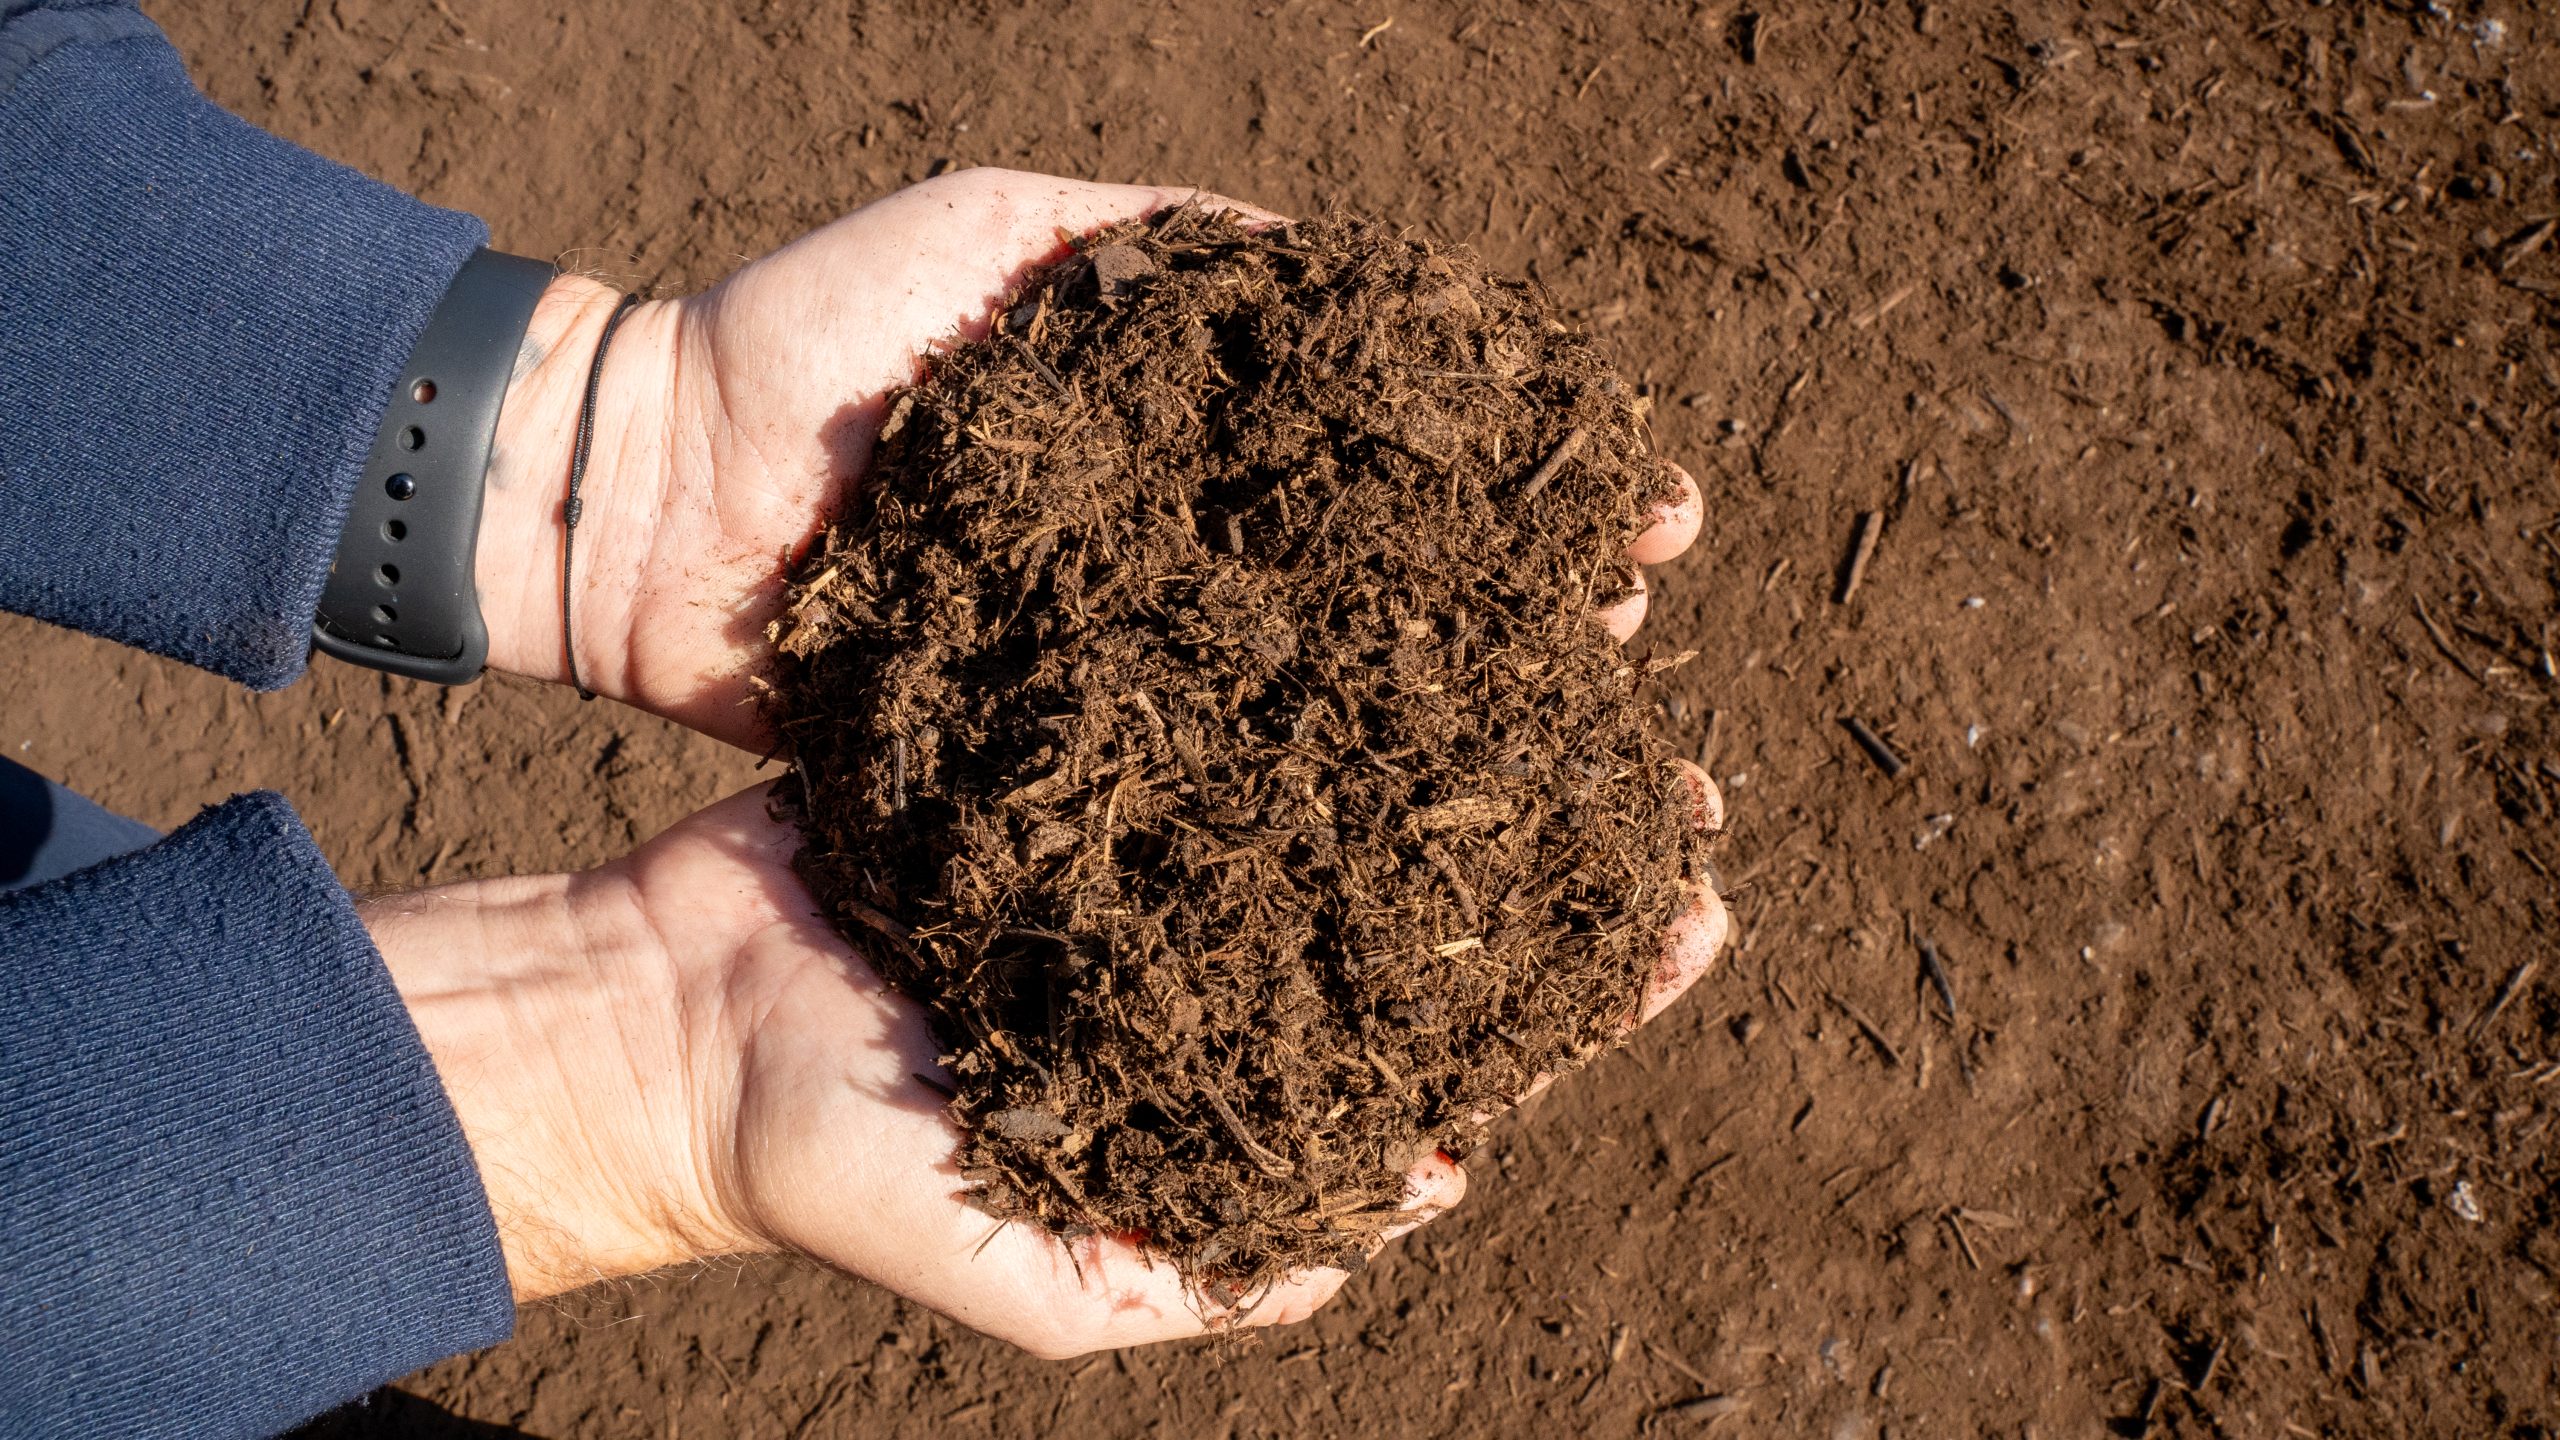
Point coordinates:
pixel 673 1057
pixel 730 423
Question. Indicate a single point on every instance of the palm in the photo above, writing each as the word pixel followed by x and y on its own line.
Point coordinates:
pixel 784 371
pixel 801 1065
pixel 826 1142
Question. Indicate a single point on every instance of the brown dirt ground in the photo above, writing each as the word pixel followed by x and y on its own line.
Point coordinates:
pixel 2210 347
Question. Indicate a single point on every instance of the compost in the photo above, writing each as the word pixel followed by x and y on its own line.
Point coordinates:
pixel 1203 712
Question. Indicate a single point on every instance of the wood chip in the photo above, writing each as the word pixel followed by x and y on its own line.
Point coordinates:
pixel 1862 548
pixel 1570 446
pixel 1474 812
pixel 1707 1408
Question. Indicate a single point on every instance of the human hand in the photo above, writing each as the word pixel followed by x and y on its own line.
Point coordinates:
pixel 673 1057
pixel 730 423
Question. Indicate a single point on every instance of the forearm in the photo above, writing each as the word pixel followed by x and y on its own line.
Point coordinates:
pixel 522 514
pixel 233 1190
pixel 548 1008
pixel 199 327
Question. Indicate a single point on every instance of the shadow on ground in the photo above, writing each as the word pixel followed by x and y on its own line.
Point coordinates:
pixel 397 1415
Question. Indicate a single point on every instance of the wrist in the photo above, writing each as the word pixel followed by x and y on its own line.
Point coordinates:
pixel 550 1014
pixel 523 530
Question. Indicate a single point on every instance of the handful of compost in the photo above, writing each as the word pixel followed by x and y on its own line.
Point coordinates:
pixel 1202 714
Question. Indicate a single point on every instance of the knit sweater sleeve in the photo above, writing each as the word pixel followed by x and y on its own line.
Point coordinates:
pixel 200 325
pixel 234 1191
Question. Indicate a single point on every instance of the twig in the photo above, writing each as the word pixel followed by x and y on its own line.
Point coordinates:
pixel 873 919
pixel 2507 993
pixel 1874 1036
pixel 1964 1242
pixel 1185 749
pixel 2150 1399
pixel 1676 1363
pixel 1708 1408
pixel 828 1399
pixel 1585 87
pixel 2525 242
pixel 1043 367
pixel 2437 635
pixel 1570 446
pixel 1882 308
pixel 1938 981
pixel 1268 1161
pixel 1385 1071
pixel 1434 852
pixel 1878 751
pixel 1861 550
pixel 2212 1365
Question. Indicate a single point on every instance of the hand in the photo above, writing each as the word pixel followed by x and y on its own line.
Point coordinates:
pixel 730 423
pixel 673 1057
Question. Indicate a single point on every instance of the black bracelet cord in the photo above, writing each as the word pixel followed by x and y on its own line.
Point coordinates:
pixel 570 512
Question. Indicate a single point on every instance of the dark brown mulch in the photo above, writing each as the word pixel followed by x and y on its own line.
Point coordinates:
pixel 1202 713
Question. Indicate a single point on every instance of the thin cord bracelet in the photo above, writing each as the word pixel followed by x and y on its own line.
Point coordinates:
pixel 569 513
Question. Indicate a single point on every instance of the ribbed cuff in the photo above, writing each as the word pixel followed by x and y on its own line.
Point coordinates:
pixel 233 1190
pixel 199 328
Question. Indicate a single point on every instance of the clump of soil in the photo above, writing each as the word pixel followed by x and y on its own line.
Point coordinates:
pixel 1203 715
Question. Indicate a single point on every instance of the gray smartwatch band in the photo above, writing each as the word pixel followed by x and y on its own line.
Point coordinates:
pixel 400 595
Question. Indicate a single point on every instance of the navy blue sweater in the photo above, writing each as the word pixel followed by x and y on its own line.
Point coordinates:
pixel 232 1192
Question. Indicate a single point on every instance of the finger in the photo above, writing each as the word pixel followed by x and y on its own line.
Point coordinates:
pixel 1019 212
pixel 1254 216
pixel 1689 949
pixel 1706 804
pixel 1692 941
pixel 1107 1291
pixel 1287 1302
pixel 1026 215
pixel 745 826
pixel 1675 523
pixel 1431 1189
pixel 1057 1296
pixel 1625 616
pixel 1101 1292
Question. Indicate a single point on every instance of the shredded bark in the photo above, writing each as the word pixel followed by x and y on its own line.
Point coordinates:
pixel 1202 715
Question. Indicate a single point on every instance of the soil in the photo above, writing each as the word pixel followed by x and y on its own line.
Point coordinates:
pixel 2209 347
pixel 1203 711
